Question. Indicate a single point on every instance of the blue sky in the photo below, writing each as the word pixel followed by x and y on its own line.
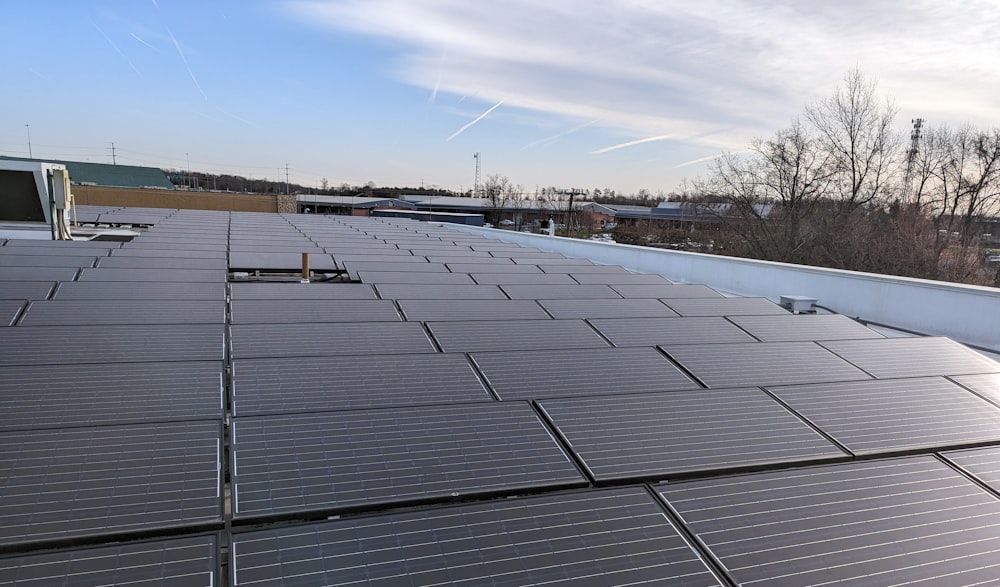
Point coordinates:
pixel 626 94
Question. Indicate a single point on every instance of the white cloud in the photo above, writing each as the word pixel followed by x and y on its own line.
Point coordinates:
pixel 688 69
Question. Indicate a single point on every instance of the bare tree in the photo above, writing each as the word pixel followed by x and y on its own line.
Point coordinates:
pixel 499 192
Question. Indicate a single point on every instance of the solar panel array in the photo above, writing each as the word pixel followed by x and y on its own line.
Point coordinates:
pixel 470 411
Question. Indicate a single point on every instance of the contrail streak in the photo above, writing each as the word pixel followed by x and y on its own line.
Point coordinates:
pixel 115 47
pixel 184 59
pixel 138 38
pixel 698 160
pixel 478 118
pixel 633 143
pixel 551 139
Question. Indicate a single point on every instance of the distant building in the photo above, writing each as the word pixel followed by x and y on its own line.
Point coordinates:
pixel 105 175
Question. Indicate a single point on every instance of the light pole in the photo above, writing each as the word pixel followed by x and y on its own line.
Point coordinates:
pixel 28 126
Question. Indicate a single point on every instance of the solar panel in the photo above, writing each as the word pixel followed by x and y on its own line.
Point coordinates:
pixel 579 372
pixel 760 363
pixel 8 260
pixel 59 396
pixel 413 291
pixel 624 332
pixel 283 386
pixel 912 357
pixel 356 267
pixel 793 327
pixel 558 292
pixel 620 279
pixel 583 269
pixel 647 436
pixel 170 275
pixel 465 310
pixel 551 261
pixel 153 262
pixel 886 522
pixel 190 561
pixel 611 537
pixel 152 251
pixel 509 335
pixel 327 339
pixel 9 311
pixel 25 290
pixel 981 463
pixel 987 386
pixel 337 461
pixel 318 261
pixel 416 278
pixel 99 248
pixel 301 291
pixel 53 345
pixel 900 414
pixel 523 279
pixel 611 308
pixel 70 312
pixel 493 267
pixel 725 307
pixel 38 274
pixel 666 291
pixel 108 480
pixel 122 290
pixel 292 311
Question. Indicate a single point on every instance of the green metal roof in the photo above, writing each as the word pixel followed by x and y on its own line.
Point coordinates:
pixel 102 174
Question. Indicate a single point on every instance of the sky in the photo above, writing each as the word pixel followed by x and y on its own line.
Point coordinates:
pixel 619 94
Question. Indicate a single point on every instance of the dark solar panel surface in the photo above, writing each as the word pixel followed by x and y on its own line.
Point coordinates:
pixel 53 345
pixel 153 262
pixel 293 311
pixel 77 482
pixel 9 311
pixel 71 312
pixel 289 261
pixel 327 339
pixel 677 291
pixel 579 372
pixel 38 274
pixel 59 396
pixel 509 335
pixel 620 278
pixel 882 416
pixel 464 310
pixel 773 363
pixel 913 357
pixel 558 292
pixel 400 291
pixel 624 332
pixel 166 253
pixel 355 267
pixel 801 327
pixel 888 522
pixel 614 537
pixel 582 269
pixel 656 435
pixel 417 278
pixel 523 279
pixel 282 386
pixel 606 308
pixel 25 290
pixel 981 463
pixel 337 460
pixel 725 307
pixel 190 561
pixel 302 291
pixel 119 290
pixel 494 267
pixel 76 262
pixel 171 275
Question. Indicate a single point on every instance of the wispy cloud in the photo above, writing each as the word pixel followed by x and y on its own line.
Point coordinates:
pixel 477 119
pixel 553 138
pixel 634 143
pixel 697 161
pixel 115 47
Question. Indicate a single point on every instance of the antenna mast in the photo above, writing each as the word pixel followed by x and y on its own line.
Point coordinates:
pixel 479 178
pixel 911 157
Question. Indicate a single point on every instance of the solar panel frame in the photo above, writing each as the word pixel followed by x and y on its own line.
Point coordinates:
pixel 804 327
pixel 416 291
pixel 85 312
pixel 523 279
pixel 653 331
pixel 882 416
pixel 10 310
pixel 610 308
pixel 983 464
pixel 673 291
pixel 985 385
pixel 249 341
pixel 18 274
pixel 762 364
pixel 311 311
pixel 345 461
pixel 78 483
pixel 725 307
pixel 887 521
pixel 522 375
pixel 492 335
pixel 70 261
pixel 25 290
pixel 301 291
pixel 613 537
pixel 558 292
pixel 430 278
pixel 100 394
pixel 654 436
pixel 148 290
pixel 153 275
pixel 190 560
pixel 912 357
pixel 463 310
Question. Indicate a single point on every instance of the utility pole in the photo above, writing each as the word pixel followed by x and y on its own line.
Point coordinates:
pixel 189 182
pixel 479 179
pixel 286 179
pixel 114 160
pixel 30 156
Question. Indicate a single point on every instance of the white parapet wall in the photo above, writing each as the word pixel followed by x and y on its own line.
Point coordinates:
pixel 966 313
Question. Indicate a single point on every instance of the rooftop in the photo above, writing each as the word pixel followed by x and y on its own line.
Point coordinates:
pixel 440 407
